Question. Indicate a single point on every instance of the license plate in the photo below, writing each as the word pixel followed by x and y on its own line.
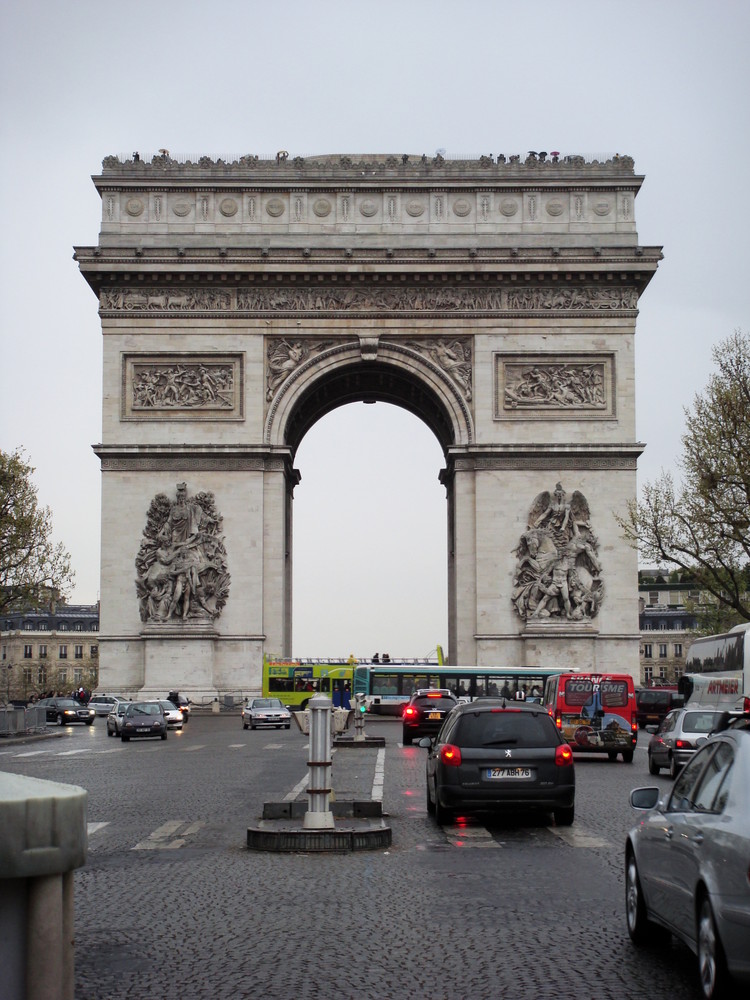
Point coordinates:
pixel 143 730
pixel 509 772
pixel 434 715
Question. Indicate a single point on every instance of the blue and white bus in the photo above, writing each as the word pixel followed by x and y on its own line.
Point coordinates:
pixel 717 671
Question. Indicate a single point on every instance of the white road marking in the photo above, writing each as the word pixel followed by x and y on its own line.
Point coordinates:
pixel 577 837
pixel 93 827
pixel 31 753
pixel 291 796
pixel 377 781
pixel 274 746
pixel 198 746
pixel 70 753
pixel 159 840
pixel 237 746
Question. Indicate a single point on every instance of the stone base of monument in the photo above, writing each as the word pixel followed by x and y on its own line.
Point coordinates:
pixel 359 826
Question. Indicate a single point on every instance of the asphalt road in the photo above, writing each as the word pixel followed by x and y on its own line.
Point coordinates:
pixel 172 904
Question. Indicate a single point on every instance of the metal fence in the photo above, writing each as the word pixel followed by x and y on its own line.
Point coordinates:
pixel 22 721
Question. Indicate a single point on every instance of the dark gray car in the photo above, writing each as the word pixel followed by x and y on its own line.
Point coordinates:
pixel 143 719
pixel 687 863
pixel 499 756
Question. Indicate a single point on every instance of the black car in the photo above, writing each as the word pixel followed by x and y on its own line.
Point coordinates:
pixel 425 712
pixel 64 711
pixel 143 718
pixel 494 755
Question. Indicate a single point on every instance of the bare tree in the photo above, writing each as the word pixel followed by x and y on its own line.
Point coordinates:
pixel 703 526
pixel 30 563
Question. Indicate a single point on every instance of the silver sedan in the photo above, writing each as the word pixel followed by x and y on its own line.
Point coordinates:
pixel 687 862
pixel 265 712
pixel 681 733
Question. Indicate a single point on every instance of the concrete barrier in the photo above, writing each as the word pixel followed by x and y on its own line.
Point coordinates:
pixel 43 839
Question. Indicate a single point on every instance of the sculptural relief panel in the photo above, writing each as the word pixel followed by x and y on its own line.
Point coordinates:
pixel 558 575
pixel 554 386
pixel 182 387
pixel 181 567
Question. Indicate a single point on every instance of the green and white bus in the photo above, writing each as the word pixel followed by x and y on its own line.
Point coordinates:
pixel 295 682
pixel 386 689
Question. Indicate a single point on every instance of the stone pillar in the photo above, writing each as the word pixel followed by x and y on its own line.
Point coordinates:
pixel 43 838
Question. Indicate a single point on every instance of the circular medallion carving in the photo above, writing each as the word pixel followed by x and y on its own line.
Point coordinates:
pixel 461 207
pixel 508 207
pixel 602 208
pixel 181 208
pixel 275 207
pixel 134 206
pixel 322 208
pixel 414 208
pixel 555 208
pixel 368 209
pixel 228 207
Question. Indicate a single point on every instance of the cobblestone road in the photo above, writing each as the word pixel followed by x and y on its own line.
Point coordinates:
pixel 171 904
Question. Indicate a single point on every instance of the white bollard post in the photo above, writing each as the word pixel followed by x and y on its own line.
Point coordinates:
pixel 319 815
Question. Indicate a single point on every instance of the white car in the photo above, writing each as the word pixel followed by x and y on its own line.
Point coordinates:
pixel 103 703
pixel 172 714
pixel 265 712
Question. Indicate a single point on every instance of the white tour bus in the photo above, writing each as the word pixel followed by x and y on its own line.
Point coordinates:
pixel 717 671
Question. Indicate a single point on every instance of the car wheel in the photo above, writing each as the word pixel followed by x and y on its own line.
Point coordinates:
pixel 164 735
pixel 627 756
pixel 90 722
pixel 124 738
pixel 442 814
pixel 59 719
pixel 640 928
pixel 109 732
pixel 288 725
pixel 244 725
pixel 430 803
pixel 252 726
pixel 406 739
pixel 674 768
pixel 564 816
pixel 612 754
pixel 653 767
pixel 711 962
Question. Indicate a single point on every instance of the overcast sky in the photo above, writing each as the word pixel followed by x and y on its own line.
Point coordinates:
pixel 664 81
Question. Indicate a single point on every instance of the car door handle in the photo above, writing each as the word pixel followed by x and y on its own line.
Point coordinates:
pixel 669 832
pixel 698 838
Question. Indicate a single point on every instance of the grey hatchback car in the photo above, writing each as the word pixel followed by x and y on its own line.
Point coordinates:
pixel 687 863
pixel 681 733
pixel 499 756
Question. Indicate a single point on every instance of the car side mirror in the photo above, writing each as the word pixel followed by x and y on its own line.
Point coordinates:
pixel 644 798
pixel 652 729
pixel 425 742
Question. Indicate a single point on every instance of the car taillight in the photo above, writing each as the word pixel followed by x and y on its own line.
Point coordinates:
pixel 563 755
pixel 682 744
pixel 410 712
pixel 558 719
pixel 450 755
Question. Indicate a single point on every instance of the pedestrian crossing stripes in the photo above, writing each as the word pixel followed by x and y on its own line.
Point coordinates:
pixel 163 839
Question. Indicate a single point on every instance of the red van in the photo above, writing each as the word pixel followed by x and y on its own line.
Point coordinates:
pixel 596 713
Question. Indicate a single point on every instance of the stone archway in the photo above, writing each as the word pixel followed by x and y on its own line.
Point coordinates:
pixel 240 302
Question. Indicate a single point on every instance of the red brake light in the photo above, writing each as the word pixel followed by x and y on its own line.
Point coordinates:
pixel 682 744
pixel 563 755
pixel 558 719
pixel 409 712
pixel 434 694
pixel 450 755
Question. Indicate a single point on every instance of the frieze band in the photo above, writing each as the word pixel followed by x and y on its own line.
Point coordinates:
pixel 370 299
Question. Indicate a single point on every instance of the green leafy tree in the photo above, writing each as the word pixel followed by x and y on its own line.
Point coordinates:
pixel 30 563
pixel 703 526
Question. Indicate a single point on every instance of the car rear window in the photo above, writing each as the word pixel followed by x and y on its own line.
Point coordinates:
pixel 700 722
pixel 438 704
pixel 522 729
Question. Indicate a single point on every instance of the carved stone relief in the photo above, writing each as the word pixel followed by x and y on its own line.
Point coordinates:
pixel 370 299
pixel 570 386
pixel 181 564
pixel 558 573
pixel 452 355
pixel 285 357
pixel 182 386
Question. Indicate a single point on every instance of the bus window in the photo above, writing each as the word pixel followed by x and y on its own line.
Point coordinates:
pixel 279 684
pixel 384 684
pixel 614 694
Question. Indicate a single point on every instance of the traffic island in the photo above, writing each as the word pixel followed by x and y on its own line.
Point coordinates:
pixel 311 826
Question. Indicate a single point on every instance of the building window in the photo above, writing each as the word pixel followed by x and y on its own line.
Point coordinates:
pixel 78 676
pixel 43 626
pixel 94 651
pixel 28 627
pixel 648 674
pixel 79 652
pixel 27 677
pixel 647 652
pixel 653 597
pixel 678 626
pixel 662 650
pixel 5 652
pixel 647 626
pixel 63 653
pixel 78 626
pixel 41 677
pixel 63 626
pixel 27 652
pixel 662 674
pixel 94 627
pixel 42 651
pixel 62 678
pixel 678 649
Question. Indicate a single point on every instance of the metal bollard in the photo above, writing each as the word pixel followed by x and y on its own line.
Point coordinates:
pixel 319 815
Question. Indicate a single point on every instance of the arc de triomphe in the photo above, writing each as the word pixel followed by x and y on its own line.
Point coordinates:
pixel 241 301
